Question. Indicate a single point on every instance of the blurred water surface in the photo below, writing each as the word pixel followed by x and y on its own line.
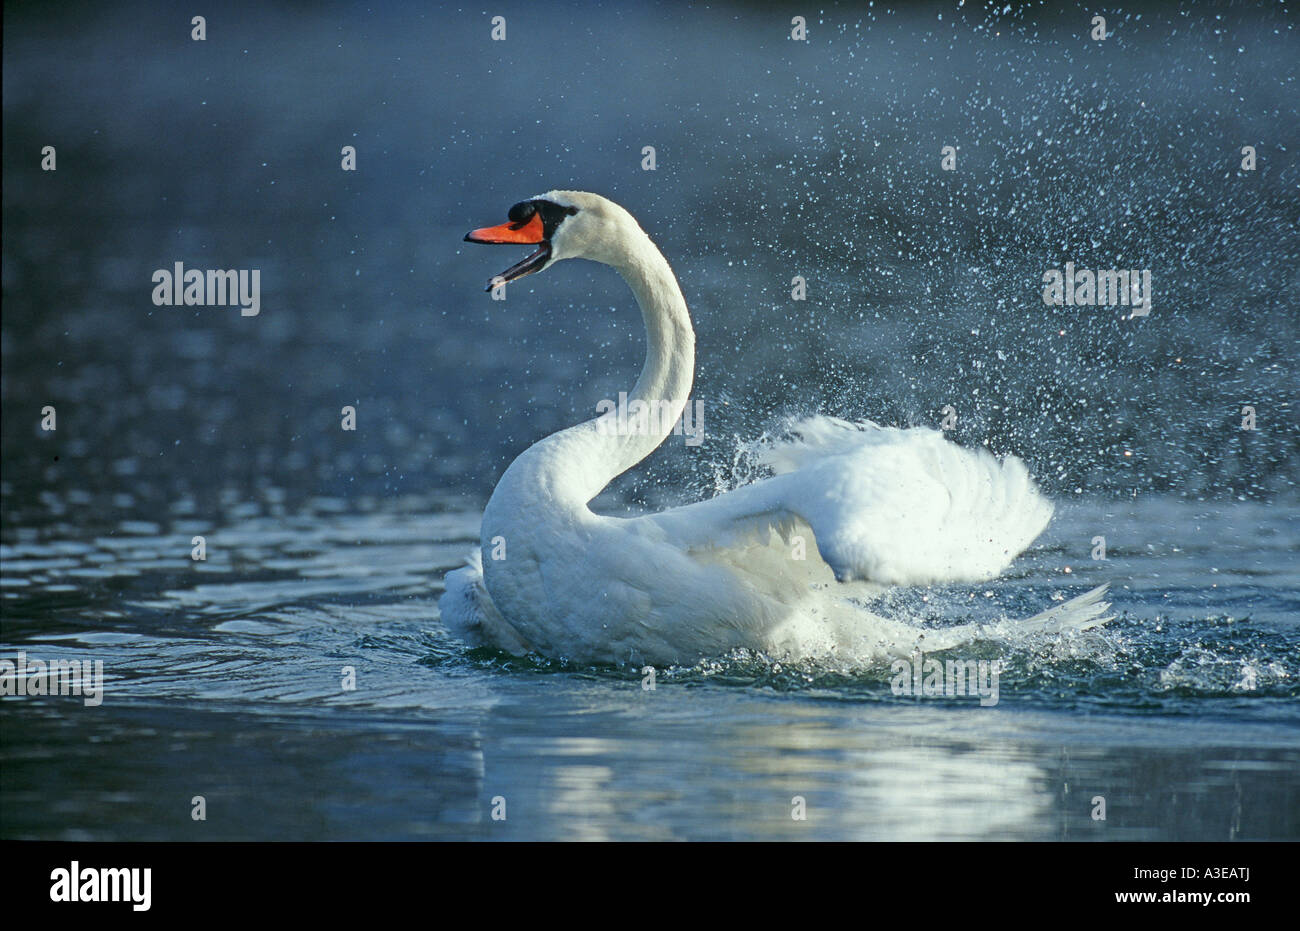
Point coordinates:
pixel 327 548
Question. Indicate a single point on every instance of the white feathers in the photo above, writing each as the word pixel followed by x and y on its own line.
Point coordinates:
pixel 906 507
pixel 889 506
pixel 1080 613
pixel 777 566
pixel 468 612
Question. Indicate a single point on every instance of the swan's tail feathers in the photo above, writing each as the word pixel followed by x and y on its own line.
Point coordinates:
pixel 1078 614
pixel 465 603
pixel 468 611
pixel 1081 613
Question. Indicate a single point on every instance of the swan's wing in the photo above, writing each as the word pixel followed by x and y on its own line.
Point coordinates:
pixel 891 506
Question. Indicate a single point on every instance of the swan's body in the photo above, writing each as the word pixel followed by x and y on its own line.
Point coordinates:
pixel 772 566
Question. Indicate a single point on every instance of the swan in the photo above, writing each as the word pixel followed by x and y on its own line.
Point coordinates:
pixel 780 566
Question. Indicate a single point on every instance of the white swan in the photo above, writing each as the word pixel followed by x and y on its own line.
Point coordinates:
pixel 772 566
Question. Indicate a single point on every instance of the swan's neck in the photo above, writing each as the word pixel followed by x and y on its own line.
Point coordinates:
pixel 573 466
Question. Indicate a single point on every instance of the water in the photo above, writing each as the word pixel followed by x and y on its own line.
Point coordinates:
pixel 223 679
pixel 326 550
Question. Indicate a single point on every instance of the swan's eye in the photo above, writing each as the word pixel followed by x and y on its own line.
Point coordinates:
pixel 522 212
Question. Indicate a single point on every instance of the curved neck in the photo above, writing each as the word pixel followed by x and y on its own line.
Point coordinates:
pixel 572 466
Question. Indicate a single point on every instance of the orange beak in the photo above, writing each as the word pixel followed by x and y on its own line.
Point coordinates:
pixel 529 232
pixel 526 232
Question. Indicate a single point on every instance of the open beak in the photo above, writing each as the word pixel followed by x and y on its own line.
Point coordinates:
pixel 528 232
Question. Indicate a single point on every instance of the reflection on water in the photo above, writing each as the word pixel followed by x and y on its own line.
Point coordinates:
pixel 225 679
pixel 569 772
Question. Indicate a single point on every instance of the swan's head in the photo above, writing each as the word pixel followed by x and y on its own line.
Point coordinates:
pixel 563 225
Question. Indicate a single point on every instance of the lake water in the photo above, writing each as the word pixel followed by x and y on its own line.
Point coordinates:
pixel 223 679
pixel 326 550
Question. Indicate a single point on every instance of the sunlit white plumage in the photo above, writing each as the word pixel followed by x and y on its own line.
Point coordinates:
pixel 864 506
